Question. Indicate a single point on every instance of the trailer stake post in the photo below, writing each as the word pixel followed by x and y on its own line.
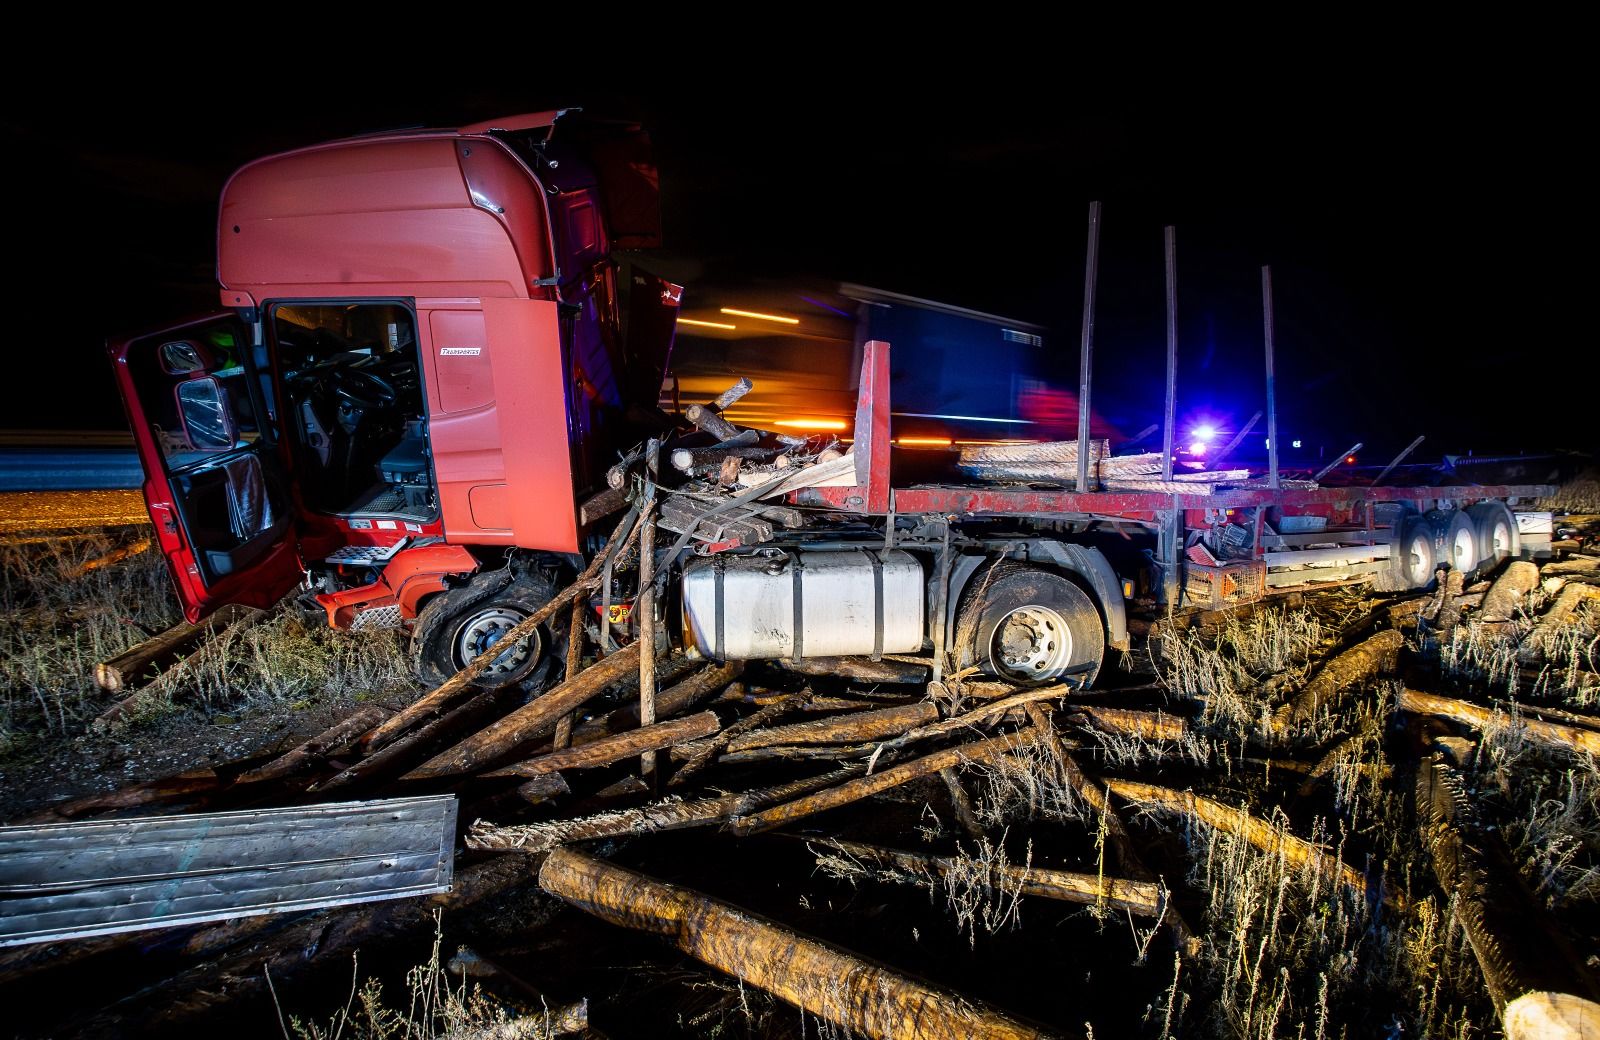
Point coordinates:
pixel 1407 450
pixel 1330 467
pixel 1086 345
pixel 1272 404
pixel 647 606
pixel 1171 413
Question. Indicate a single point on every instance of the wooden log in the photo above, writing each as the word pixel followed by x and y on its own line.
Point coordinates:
pixel 394 757
pixel 1558 616
pixel 563 735
pixel 615 748
pixel 729 397
pixel 697 462
pixel 647 606
pixel 1376 654
pixel 1130 722
pixel 685 693
pixel 166 789
pixel 1551 1016
pixel 150 657
pixel 339 737
pixel 851 728
pixel 1136 897
pixel 540 789
pixel 117 555
pixel 961 805
pixel 857 669
pixel 1572 565
pixel 1518 947
pixel 1506 597
pixel 860 997
pixel 504 736
pixel 801 753
pixel 710 749
pixel 855 790
pixel 1570 738
pixel 669 814
pixel 706 419
pixel 598 507
pixel 1263 835
pixel 456 685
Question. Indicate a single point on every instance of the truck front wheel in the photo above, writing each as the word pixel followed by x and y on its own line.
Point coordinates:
pixel 1030 627
pixel 454 628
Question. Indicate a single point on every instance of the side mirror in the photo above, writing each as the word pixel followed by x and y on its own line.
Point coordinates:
pixel 204 414
pixel 183 357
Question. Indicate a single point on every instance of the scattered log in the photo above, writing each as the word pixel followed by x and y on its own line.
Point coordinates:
pixel 1553 620
pixel 1573 565
pixel 540 789
pixel 1331 759
pixel 615 748
pixel 706 419
pixel 1376 654
pixel 674 700
pixel 669 814
pixel 861 997
pixel 1129 722
pixel 697 462
pixel 1239 823
pixel 403 752
pixel 506 735
pixel 1449 613
pixel 801 753
pixel 337 738
pixel 117 555
pixel 961 805
pixel 1505 598
pixel 150 657
pixel 454 686
pixel 166 789
pixel 1143 898
pixel 1551 1016
pixel 598 507
pixel 1517 946
pixel 855 790
pixel 857 669
pixel 563 735
pixel 851 728
pixel 1571 738
pixel 703 755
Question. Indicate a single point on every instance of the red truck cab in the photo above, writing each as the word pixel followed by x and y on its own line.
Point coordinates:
pixel 428 352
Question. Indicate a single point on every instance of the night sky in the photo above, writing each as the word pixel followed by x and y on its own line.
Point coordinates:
pixel 1426 227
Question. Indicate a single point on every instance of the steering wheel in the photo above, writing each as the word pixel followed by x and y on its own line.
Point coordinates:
pixel 362 389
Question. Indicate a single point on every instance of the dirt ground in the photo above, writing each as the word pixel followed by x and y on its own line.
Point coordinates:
pixel 1282 948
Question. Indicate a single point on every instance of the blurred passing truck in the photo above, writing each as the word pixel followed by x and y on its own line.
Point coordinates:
pixel 431 356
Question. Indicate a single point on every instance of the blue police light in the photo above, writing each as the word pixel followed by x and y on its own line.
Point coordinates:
pixel 1295 444
pixel 1205 432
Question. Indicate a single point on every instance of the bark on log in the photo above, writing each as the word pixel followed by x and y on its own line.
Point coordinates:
pixel 861 997
pixel 676 699
pixel 337 738
pixel 707 420
pixel 1573 565
pixel 1551 1016
pixel 1553 620
pixel 857 669
pixel 697 462
pixel 1516 945
pixel 704 754
pixel 165 789
pixel 961 805
pixel 855 790
pixel 1378 653
pixel 1128 722
pixel 150 657
pixel 1263 835
pixel 405 751
pixel 852 728
pixel 563 734
pixel 505 736
pixel 117 555
pixel 1550 734
pixel 982 714
pixel 616 748
pixel 598 507
pixel 1136 897
pixel 1505 598
pixel 454 686
pixel 669 814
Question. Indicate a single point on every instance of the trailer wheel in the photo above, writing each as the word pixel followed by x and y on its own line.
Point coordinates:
pixel 457 626
pixel 1458 540
pixel 1412 564
pixel 1497 532
pixel 1030 627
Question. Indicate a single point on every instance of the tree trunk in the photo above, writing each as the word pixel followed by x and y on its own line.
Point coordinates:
pixel 335 739
pixel 1571 738
pixel 1378 653
pixel 857 727
pixel 861 997
pixel 616 748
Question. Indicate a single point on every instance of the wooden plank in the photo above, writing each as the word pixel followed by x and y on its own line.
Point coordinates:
pixel 70 880
pixel 152 656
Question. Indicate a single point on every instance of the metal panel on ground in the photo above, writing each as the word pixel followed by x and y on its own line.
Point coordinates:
pixel 68 880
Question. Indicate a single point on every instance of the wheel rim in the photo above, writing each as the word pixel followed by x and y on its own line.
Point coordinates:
pixel 1032 643
pixel 483 630
pixel 1417 559
pixel 1464 550
pixel 1500 540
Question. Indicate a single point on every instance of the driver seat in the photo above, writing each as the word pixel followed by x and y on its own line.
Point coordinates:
pixel 407 462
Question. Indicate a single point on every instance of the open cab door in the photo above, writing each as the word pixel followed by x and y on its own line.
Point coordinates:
pixel 214 483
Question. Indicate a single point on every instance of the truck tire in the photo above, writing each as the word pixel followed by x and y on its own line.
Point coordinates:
pixel 1458 541
pixel 1411 564
pixel 1030 627
pixel 1497 532
pixel 458 625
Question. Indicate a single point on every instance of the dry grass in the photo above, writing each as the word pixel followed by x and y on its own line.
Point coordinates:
pixel 1238 677
pixel 57 621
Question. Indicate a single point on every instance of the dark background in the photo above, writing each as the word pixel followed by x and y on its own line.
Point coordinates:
pixel 1427 220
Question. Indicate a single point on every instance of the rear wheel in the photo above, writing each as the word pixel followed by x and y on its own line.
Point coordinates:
pixel 1030 627
pixel 1458 540
pixel 1497 532
pixel 1411 564
pixel 454 628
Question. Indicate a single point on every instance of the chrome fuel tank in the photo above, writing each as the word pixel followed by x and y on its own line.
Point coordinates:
pixel 794 603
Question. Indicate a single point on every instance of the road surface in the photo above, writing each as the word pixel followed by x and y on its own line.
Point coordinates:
pixel 42 511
